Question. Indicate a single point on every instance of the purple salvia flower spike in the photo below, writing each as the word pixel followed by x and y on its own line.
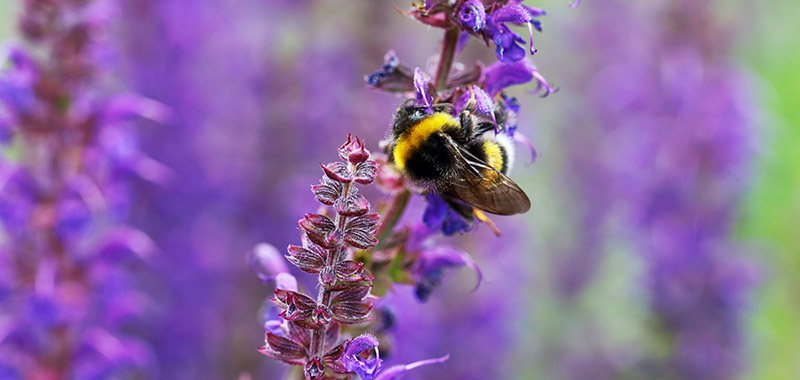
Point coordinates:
pixel 61 203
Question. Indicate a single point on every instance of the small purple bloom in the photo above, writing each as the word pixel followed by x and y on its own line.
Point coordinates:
pixel 499 76
pixel 421 85
pixel 73 218
pixel 505 39
pixel 286 281
pixel 428 270
pixel 390 63
pixel 473 15
pixel 481 101
pixel 352 360
pixel 267 262
pixel 439 215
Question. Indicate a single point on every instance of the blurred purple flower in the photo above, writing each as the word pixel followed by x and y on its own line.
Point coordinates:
pixel 433 258
pixel 75 311
pixel 675 138
pixel 267 262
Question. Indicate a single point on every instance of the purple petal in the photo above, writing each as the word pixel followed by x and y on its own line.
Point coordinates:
pixel 366 368
pixel 499 76
pixel 438 215
pixel 473 15
pixel 454 223
pixel 521 15
pixel 424 97
pixel 541 84
pixel 122 241
pixel 462 41
pixel 435 210
pixel 274 326
pixel 127 106
pixel 73 218
pixel 575 4
pixel 506 40
pixel 267 262
pixel 428 270
pixel 286 281
pixel 360 344
pixel 483 103
pixel 512 13
pixel 524 140
pixel 393 372
pixel 446 257
pixel 390 63
pixel 535 12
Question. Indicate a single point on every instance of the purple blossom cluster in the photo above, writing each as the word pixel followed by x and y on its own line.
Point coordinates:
pixel 69 302
pixel 480 87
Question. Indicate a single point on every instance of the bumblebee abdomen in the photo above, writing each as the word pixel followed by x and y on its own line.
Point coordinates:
pixel 430 162
pixel 494 152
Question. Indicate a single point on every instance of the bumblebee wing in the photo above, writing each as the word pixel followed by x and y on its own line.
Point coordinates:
pixel 483 187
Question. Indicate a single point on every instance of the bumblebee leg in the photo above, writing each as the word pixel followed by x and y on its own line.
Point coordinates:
pixel 483 127
pixel 467 124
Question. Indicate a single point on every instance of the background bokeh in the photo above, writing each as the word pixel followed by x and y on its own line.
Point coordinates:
pixel 262 91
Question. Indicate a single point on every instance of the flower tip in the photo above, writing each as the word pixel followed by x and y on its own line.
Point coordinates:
pixel 267 262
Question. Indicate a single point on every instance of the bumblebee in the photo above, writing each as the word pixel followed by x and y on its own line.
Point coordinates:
pixel 456 158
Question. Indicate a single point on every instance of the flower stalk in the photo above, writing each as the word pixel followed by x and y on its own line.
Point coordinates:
pixel 446 59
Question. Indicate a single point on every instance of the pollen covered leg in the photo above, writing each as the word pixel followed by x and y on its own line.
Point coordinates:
pixel 467 124
pixel 483 218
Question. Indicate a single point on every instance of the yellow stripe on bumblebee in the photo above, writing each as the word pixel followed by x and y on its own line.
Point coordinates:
pixel 410 140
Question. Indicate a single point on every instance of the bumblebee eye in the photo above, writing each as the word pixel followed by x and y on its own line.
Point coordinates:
pixel 420 113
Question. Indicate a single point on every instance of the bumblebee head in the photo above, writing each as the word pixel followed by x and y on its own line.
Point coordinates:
pixel 409 115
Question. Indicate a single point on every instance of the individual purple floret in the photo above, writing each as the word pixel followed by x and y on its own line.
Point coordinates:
pixel 487 20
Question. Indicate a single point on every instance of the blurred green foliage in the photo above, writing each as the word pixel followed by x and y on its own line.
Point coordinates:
pixel 8 9
pixel 772 209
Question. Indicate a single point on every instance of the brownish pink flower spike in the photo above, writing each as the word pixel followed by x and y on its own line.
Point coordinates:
pixel 309 330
